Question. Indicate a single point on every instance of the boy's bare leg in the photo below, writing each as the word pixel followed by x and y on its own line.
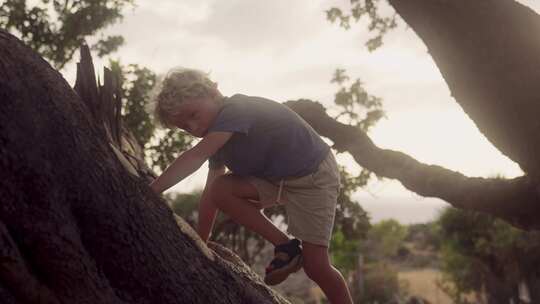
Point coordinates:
pixel 231 195
pixel 318 267
pixel 207 216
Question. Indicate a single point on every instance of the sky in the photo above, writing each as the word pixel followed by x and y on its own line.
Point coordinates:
pixel 286 50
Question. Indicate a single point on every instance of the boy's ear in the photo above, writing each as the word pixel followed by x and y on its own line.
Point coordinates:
pixel 215 96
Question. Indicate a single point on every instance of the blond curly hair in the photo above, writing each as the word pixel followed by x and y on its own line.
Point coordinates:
pixel 178 84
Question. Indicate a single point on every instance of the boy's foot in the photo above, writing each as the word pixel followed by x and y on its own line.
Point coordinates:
pixel 287 259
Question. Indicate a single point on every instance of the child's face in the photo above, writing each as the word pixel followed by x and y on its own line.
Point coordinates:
pixel 196 115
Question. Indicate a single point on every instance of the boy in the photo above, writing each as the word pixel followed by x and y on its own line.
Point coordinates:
pixel 275 157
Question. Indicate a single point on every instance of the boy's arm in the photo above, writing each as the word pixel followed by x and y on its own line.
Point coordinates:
pixel 189 161
pixel 207 210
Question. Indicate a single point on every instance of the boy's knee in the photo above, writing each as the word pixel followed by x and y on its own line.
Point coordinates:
pixel 221 187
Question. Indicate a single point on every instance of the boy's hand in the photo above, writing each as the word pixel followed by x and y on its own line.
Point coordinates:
pixel 189 161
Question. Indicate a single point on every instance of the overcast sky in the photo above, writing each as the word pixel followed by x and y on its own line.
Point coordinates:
pixel 287 49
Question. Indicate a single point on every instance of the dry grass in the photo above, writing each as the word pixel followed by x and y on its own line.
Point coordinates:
pixel 422 283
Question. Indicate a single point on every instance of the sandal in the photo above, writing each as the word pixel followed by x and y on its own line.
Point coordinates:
pixel 287 259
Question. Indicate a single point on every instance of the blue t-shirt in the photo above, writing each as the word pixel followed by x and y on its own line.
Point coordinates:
pixel 269 140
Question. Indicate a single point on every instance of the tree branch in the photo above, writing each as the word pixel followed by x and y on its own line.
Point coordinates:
pixel 514 200
pixel 488 56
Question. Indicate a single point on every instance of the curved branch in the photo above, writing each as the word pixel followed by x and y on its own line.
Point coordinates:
pixel 487 52
pixel 514 200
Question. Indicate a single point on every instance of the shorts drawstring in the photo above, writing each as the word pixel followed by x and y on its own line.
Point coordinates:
pixel 278 199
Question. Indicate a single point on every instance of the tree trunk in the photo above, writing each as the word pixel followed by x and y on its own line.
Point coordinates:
pixel 487 51
pixel 75 225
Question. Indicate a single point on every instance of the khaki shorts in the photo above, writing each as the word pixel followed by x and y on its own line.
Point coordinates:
pixel 310 201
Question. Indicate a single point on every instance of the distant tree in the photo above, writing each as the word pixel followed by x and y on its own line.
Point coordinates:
pixel 351 224
pixel 425 236
pixel 381 285
pixel 482 254
pixel 385 238
pixel 56 29
pixel 185 205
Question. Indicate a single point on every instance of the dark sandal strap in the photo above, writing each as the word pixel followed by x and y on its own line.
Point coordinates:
pixel 284 254
pixel 291 248
pixel 278 263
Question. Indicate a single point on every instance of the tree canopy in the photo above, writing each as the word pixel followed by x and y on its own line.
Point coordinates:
pixel 56 29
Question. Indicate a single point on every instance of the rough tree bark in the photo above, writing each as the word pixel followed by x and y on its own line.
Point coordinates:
pixel 76 226
pixel 488 55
